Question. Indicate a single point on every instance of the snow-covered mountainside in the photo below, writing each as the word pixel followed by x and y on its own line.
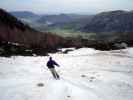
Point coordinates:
pixel 86 74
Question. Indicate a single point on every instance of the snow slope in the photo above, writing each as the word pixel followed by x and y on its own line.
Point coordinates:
pixel 86 74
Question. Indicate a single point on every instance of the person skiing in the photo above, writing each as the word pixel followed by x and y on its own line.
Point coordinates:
pixel 51 66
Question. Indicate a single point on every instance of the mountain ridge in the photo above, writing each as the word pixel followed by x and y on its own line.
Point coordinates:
pixel 111 22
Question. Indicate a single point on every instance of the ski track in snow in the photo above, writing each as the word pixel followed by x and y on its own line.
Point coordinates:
pixel 67 90
pixel 86 74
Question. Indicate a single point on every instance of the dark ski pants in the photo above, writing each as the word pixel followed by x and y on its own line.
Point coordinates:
pixel 54 73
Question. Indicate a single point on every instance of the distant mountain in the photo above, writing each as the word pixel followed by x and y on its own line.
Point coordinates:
pixel 46 22
pixel 78 22
pixel 24 14
pixel 113 26
pixel 26 17
pixel 62 21
pixel 111 22
pixel 52 19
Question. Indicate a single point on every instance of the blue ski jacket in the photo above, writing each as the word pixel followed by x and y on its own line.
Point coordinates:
pixel 51 63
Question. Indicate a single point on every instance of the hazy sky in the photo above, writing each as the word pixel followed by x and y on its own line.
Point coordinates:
pixel 66 6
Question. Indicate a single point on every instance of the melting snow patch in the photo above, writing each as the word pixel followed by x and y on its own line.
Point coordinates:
pixel 104 76
pixel 83 51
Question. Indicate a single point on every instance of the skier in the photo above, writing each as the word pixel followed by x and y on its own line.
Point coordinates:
pixel 51 65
